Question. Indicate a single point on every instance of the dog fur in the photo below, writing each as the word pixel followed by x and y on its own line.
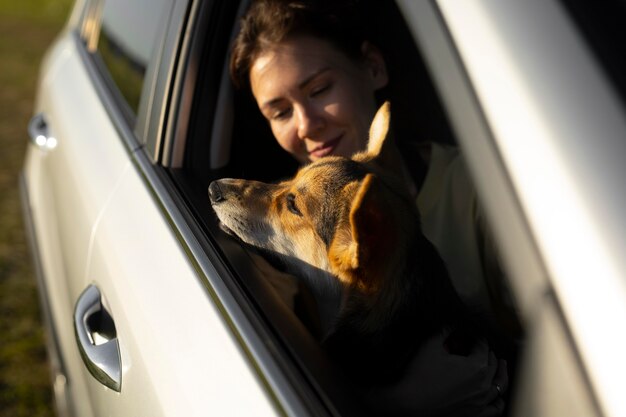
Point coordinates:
pixel 350 228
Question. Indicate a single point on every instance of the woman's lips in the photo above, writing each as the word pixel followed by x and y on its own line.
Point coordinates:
pixel 325 148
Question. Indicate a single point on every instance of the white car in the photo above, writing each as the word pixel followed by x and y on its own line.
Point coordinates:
pixel 153 311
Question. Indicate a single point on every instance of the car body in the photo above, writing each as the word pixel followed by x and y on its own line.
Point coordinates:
pixel 152 310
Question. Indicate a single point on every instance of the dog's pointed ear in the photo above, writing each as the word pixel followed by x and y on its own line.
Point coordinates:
pixel 353 249
pixel 379 136
pixel 379 130
pixel 381 148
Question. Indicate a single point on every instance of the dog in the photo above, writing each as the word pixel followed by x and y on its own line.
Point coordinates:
pixel 350 228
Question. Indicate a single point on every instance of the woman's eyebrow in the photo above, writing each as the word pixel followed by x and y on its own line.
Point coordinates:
pixel 271 103
pixel 301 85
pixel 311 77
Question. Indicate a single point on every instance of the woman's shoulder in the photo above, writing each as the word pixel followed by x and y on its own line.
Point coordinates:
pixel 446 174
pixel 432 153
pixel 448 162
pixel 445 154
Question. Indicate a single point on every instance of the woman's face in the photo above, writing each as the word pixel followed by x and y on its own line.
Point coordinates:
pixel 317 100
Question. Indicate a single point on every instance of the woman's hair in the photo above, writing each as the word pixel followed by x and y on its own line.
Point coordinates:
pixel 269 22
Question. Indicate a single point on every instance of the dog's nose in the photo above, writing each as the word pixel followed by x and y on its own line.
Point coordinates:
pixel 215 192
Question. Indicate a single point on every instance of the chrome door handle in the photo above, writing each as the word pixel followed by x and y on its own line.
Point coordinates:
pixel 97 339
pixel 38 132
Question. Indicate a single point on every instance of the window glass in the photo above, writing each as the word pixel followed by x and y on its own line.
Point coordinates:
pixel 127 40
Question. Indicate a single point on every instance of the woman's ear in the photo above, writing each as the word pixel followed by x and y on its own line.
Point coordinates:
pixel 375 65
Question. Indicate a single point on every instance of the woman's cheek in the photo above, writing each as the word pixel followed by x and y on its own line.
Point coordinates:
pixel 289 141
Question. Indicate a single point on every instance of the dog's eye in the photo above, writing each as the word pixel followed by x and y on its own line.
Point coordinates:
pixel 291 204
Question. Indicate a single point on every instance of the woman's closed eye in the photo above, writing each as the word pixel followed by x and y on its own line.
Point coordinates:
pixel 280 114
pixel 317 91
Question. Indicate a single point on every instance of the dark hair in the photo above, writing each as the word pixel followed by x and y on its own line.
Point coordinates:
pixel 268 22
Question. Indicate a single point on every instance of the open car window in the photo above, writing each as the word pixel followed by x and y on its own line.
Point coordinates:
pixel 217 131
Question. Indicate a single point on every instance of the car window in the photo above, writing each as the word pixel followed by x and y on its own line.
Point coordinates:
pixel 127 39
pixel 255 154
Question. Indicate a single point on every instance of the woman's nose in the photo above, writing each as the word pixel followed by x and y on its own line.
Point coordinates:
pixel 311 122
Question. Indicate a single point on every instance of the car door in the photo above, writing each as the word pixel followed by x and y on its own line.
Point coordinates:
pixel 177 353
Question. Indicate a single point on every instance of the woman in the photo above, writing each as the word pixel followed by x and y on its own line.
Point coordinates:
pixel 316 77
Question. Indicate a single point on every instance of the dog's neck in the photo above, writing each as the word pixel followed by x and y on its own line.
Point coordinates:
pixel 337 303
pixel 389 325
pixel 325 289
pixel 379 289
pixel 397 287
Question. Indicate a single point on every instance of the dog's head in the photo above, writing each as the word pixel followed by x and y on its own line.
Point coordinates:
pixel 348 217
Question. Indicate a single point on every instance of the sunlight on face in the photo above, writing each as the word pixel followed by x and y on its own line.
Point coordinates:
pixel 317 100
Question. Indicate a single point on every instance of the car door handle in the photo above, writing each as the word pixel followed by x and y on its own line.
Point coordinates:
pixel 97 339
pixel 38 132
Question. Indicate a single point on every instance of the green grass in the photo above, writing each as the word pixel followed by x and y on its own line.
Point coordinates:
pixel 27 27
pixel 51 13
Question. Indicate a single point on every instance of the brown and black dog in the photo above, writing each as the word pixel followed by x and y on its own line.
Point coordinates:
pixel 350 228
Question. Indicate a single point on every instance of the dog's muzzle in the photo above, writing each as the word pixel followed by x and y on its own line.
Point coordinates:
pixel 215 193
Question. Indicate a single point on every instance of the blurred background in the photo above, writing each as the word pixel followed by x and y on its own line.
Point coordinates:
pixel 27 28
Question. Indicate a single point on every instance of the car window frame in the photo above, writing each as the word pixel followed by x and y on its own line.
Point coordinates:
pixel 166 156
pixel 165 80
pixel 162 151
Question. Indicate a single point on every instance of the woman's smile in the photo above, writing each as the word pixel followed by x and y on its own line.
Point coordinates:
pixel 324 149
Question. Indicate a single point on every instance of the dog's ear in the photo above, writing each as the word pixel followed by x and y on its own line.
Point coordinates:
pixel 379 130
pixel 381 148
pixel 360 242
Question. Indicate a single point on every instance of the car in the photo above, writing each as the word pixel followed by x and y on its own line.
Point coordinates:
pixel 151 310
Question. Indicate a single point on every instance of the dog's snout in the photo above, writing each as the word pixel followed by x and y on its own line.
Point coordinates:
pixel 215 192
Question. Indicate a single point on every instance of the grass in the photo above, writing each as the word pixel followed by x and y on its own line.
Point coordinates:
pixel 27 27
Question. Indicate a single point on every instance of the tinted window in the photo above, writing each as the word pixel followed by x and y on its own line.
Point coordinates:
pixel 127 41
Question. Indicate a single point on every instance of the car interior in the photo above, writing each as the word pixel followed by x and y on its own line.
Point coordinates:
pixel 221 133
